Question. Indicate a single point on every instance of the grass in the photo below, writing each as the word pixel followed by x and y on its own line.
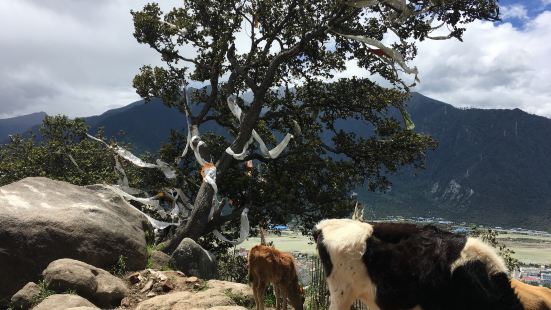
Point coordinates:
pixel 150 249
pixel 528 249
pixel 240 299
pixel 42 294
pixel 120 267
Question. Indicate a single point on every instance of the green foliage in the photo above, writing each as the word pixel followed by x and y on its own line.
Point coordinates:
pixel 240 299
pixel 119 269
pixel 490 236
pixel 43 293
pixel 269 296
pixel 150 249
pixel 50 156
pixel 233 267
pixel 202 286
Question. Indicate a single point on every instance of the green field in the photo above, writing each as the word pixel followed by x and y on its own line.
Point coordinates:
pixel 287 242
pixel 528 248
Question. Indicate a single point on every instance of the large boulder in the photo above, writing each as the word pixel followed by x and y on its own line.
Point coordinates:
pixel 96 284
pixel 64 302
pixel 42 220
pixel 193 260
pixel 25 297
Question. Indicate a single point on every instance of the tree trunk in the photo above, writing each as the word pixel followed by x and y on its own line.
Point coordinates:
pixel 198 219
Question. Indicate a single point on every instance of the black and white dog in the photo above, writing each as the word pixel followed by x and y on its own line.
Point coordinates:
pixel 392 266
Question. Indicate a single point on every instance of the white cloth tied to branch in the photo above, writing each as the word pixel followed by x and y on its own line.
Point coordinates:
pixel 125 197
pixel 188 138
pixel 123 179
pixel 243 231
pixel 209 176
pixel 273 154
pixel 195 149
pixel 164 167
pixel 389 52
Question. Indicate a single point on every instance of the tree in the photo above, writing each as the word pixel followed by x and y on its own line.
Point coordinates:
pixel 284 55
pixel 61 152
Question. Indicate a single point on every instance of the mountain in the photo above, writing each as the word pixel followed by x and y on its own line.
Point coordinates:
pixel 18 125
pixel 491 167
pixel 145 125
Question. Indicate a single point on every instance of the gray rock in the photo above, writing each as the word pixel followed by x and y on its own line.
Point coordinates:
pixel 193 260
pixel 159 260
pixel 23 299
pixel 97 285
pixel 42 220
pixel 63 302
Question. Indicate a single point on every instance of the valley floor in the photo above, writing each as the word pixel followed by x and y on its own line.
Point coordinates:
pixel 529 249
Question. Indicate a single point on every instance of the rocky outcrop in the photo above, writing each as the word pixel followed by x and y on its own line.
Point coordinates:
pixel 151 289
pixel 193 260
pixel 64 302
pixel 24 298
pixel 97 285
pixel 214 295
pixel 42 220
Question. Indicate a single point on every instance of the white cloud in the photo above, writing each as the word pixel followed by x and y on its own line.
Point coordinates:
pixel 68 56
pixel 517 11
pixel 497 66
pixel 78 57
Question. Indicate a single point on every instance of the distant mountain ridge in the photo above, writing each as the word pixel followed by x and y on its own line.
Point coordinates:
pixel 491 166
pixel 19 124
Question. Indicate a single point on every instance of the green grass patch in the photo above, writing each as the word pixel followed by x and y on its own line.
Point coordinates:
pixel 239 299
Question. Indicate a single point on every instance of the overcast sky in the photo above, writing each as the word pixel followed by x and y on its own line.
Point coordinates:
pixel 78 57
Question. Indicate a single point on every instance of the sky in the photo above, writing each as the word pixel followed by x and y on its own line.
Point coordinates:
pixel 78 57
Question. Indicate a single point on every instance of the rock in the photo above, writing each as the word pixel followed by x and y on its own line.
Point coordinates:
pixel 63 302
pixel 222 287
pixel 23 299
pixel 147 286
pixel 220 295
pixel 126 302
pixel 167 286
pixel 159 260
pixel 96 284
pixel 42 220
pixel 193 260
pixel 135 278
pixel 82 308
